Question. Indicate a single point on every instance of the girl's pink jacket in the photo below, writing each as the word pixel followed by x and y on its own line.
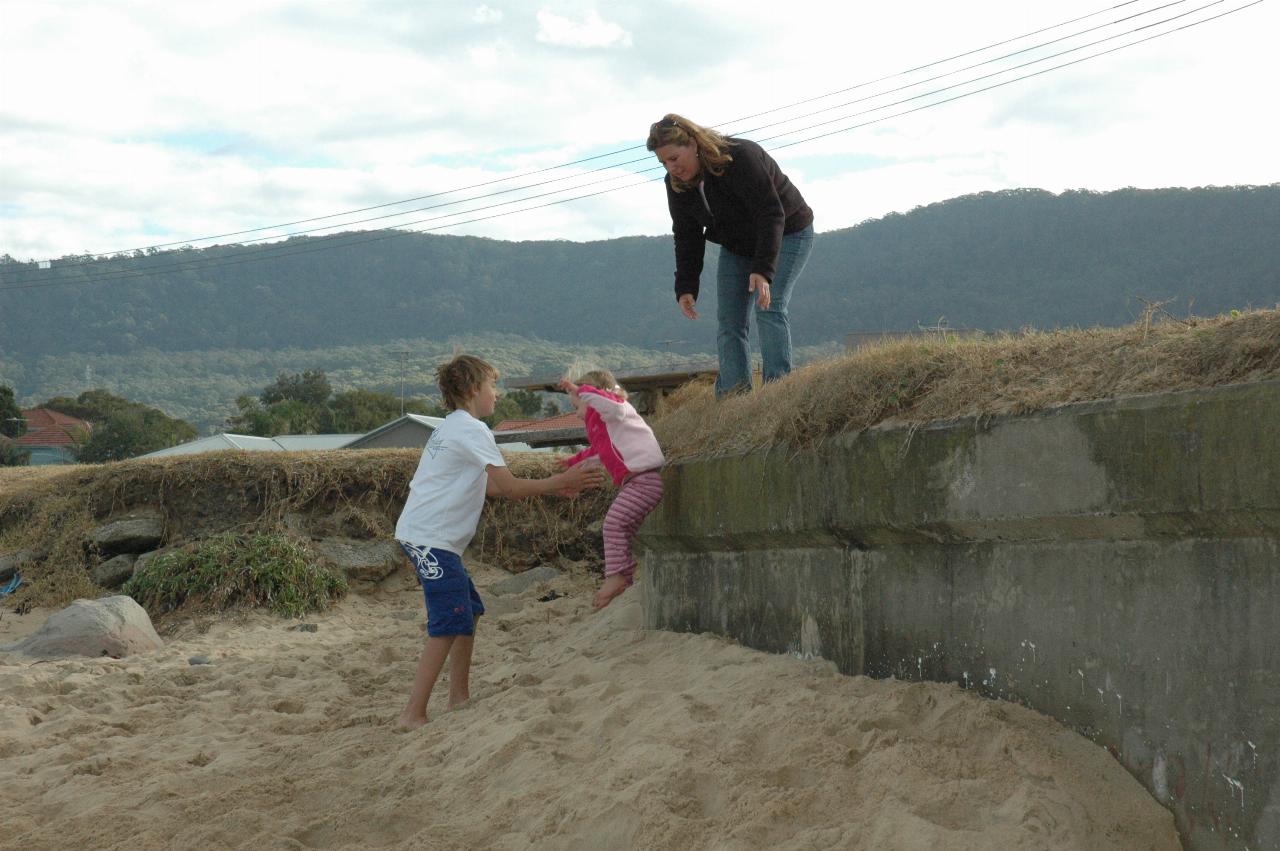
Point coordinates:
pixel 618 435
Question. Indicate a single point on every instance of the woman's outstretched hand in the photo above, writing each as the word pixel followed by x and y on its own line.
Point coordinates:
pixel 759 285
pixel 687 301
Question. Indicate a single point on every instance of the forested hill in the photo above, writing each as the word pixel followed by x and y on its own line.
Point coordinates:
pixel 994 260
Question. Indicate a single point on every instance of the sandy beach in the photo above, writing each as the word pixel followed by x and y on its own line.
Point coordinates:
pixel 583 732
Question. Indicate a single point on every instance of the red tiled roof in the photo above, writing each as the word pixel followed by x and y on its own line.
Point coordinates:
pixel 52 428
pixel 512 425
pixel 569 420
pixel 43 417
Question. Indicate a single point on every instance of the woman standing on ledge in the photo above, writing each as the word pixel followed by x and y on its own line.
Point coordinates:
pixel 731 192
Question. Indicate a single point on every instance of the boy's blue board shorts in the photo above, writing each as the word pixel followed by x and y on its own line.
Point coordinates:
pixel 452 601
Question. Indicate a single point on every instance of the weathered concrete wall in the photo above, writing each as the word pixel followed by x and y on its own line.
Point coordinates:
pixel 1115 565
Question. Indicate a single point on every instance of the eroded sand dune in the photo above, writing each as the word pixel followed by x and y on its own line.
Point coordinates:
pixel 583 732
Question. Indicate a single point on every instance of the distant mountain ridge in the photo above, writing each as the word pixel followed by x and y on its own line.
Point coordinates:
pixel 992 260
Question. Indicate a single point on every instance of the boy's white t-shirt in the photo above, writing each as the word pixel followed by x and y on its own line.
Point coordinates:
pixel 446 494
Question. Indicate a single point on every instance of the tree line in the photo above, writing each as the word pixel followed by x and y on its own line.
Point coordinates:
pixel 304 403
pixel 995 260
pixel 202 387
pixel 187 336
pixel 295 403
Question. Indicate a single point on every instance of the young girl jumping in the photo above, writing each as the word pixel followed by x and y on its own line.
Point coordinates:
pixel 625 445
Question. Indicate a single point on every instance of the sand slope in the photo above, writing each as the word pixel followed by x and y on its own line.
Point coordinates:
pixel 583 732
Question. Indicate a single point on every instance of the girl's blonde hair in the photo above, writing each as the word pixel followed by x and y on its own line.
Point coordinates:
pixel 461 378
pixel 713 148
pixel 602 379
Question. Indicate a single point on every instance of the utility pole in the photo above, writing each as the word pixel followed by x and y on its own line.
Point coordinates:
pixel 402 355
pixel 670 358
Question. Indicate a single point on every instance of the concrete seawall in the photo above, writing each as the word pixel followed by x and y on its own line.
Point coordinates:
pixel 1115 565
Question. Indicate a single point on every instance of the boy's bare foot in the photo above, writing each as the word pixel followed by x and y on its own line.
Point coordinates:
pixel 610 588
pixel 409 722
pixel 458 702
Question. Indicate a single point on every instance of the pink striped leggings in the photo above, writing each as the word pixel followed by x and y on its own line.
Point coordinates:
pixel 638 496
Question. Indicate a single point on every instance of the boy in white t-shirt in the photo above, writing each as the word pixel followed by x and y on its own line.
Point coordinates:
pixel 460 465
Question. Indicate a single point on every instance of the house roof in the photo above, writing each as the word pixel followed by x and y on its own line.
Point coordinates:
pixel 559 421
pixel 560 430
pixel 218 442
pixel 296 442
pixel 430 424
pixel 251 443
pixel 51 428
pixel 512 425
pixel 292 442
pixel 44 417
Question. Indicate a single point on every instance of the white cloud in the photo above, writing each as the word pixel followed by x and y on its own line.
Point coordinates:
pixel 486 15
pixel 591 31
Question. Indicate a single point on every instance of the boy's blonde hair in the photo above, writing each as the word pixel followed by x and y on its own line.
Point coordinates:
pixel 461 378
pixel 602 379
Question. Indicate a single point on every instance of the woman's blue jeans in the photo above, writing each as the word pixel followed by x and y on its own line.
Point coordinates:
pixel 733 312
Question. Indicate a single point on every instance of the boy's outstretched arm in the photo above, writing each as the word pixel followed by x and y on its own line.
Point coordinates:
pixel 571 481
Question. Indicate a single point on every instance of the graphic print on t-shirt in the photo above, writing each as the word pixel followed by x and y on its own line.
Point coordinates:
pixel 435 445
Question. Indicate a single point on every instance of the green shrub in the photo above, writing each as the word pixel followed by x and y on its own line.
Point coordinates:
pixel 12 455
pixel 231 570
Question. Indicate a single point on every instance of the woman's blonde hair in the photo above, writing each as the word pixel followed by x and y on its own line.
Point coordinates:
pixel 461 378
pixel 602 379
pixel 713 148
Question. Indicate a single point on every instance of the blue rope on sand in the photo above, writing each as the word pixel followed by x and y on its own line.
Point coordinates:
pixel 11 585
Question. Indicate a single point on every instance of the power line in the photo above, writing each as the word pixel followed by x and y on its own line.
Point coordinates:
pixel 534 172
pixel 276 252
pixel 206 262
pixel 1018 52
pixel 992 74
pixel 1025 76
pixel 331 243
pixel 235 261
pixel 347 224
pixel 944 61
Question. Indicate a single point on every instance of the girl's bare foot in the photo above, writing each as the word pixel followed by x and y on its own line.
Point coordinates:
pixel 411 722
pixel 610 588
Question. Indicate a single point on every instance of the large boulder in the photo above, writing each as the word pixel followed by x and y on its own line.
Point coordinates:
pixel 136 533
pixel 362 561
pixel 114 572
pixel 112 626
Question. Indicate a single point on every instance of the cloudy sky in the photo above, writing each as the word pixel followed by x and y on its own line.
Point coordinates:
pixel 129 124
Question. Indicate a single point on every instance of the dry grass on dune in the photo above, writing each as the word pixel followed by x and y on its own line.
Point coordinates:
pixel 916 381
pixel 340 493
pixel 196 495
pixel 14 477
